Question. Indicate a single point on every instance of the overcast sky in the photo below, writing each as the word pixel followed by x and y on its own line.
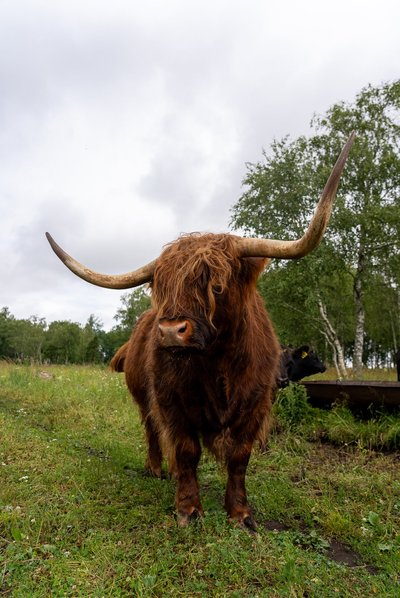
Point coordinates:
pixel 125 123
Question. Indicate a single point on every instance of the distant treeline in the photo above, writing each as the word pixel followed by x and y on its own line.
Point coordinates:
pixel 62 341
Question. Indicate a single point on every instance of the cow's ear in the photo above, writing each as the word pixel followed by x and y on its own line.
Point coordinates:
pixel 260 263
pixel 301 352
pixel 254 266
pixel 305 351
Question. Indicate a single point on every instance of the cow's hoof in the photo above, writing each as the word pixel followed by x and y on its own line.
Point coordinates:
pixel 249 524
pixel 185 518
pixel 150 472
pixel 246 523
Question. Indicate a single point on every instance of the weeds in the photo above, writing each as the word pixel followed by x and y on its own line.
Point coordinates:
pixel 340 426
pixel 291 407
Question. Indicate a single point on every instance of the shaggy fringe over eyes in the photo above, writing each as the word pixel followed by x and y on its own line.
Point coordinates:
pixel 196 266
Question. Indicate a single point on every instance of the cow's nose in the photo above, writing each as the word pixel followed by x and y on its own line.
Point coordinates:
pixel 175 333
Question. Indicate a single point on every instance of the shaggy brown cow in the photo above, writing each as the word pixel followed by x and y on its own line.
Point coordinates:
pixel 202 362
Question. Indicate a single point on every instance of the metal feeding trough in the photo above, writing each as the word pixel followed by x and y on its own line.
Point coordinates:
pixel 354 393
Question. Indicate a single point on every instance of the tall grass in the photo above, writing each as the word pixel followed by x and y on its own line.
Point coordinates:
pixel 373 430
pixel 373 374
pixel 79 518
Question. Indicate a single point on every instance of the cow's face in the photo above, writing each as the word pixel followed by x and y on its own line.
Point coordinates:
pixel 199 286
pixel 296 364
pixel 310 361
pixel 305 363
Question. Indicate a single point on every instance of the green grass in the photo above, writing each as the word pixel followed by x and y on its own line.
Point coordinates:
pixel 79 518
pixel 378 375
pixel 373 429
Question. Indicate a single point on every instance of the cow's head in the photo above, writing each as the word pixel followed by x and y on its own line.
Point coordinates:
pixel 200 286
pixel 305 363
pixel 199 278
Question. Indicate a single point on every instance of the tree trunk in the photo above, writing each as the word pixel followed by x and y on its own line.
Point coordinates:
pixel 333 339
pixel 334 356
pixel 39 353
pixel 360 315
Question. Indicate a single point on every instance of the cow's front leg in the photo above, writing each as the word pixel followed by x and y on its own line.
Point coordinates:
pixel 235 497
pixel 187 500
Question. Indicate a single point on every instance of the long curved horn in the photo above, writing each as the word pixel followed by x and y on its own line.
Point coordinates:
pixel 112 281
pixel 250 247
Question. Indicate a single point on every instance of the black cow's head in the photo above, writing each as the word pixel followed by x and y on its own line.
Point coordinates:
pixel 298 363
pixel 304 363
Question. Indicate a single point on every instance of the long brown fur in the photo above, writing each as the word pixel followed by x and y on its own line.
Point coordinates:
pixel 203 262
pixel 218 389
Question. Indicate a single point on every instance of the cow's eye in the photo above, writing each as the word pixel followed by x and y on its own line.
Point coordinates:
pixel 217 289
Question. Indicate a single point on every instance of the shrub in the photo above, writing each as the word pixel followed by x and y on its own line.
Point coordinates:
pixel 291 407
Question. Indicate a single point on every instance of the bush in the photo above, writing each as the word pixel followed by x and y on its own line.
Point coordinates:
pixel 291 407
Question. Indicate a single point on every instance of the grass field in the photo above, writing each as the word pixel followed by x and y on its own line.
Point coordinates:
pixel 79 518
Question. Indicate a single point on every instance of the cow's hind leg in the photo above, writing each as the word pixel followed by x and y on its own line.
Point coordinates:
pixel 235 497
pixel 187 500
pixel 154 455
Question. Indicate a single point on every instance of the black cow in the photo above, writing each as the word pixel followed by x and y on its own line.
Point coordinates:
pixel 397 361
pixel 296 364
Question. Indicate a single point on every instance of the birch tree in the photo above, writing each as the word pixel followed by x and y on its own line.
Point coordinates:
pixel 363 236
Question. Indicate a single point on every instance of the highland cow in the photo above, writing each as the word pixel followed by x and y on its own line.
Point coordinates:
pixel 202 362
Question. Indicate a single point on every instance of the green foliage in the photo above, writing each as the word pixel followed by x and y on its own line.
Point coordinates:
pixel 359 258
pixel 291 407
pixel 21 338
pixel 372 430
pixel 293 304
pixel 62 342
pixel 113 340
pixel 90 342
pixel 133 305
pixel 381 333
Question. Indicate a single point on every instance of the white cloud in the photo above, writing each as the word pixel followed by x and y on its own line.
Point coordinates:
pixel 123 124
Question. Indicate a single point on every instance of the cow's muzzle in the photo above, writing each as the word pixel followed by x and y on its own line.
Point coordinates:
pixel 175 333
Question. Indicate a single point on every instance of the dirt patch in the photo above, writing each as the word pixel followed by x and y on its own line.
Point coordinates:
pixel 308 539
pixel 92 451
pixel 340 553
pixel 276 526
